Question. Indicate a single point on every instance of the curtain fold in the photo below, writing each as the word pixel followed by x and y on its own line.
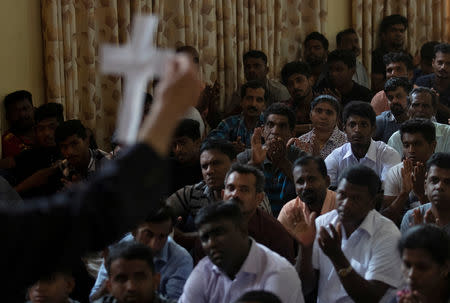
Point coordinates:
pixel 222 31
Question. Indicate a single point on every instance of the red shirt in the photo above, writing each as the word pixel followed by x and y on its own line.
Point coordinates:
pixel 12 145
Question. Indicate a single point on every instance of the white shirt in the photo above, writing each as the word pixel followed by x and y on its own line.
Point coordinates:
pixel 380 157
pixel 263 269
pixel 360 75
pixel 372 252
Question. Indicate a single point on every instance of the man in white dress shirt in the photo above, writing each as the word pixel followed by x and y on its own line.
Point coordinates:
pixel 359 125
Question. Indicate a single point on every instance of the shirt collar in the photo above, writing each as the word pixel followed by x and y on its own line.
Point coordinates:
pixel 371 152
pixel 367 223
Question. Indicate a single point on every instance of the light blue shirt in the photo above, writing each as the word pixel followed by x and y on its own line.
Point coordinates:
pixel 263 269
pixel 372 252
pixel 380 157
pixel 173 263
pixel 442 139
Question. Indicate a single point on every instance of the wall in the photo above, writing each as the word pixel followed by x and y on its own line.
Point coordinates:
pixel 339 18
pixel 21 61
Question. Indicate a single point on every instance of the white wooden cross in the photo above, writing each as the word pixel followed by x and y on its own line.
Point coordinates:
pixel 138 61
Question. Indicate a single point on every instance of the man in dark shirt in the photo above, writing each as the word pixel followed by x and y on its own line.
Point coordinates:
pixel 341 67
pixel 90 216
pixel 440 81
pixel 392 37
pixel 315 54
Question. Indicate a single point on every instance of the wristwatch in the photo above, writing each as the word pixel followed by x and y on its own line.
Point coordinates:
pixel 344 271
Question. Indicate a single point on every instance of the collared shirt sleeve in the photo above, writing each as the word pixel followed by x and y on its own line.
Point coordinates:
pixel 396 143
pixel 393 182
pixel 182 267
pixel 332 163
pixel 390 158
pixel 196 284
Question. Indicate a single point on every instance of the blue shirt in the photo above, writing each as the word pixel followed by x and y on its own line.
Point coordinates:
pixel 173 263
pixel 233 127
pixel 408 219
pixel 386 126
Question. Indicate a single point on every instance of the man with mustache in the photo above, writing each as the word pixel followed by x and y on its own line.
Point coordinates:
pixel 422 103
pixel 313 196
pixel 348 39
pixel 359 125
pixel 396 90
pixel 238 129
pixel 315 54
pixel 440 81
pixel 404 184
pixel 236 263
pixel 296 76
pixel 437 190
pixel 353 256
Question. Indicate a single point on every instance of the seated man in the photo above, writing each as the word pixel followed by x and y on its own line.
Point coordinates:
pixel 425 252
pixel 404 184
pixel 234 261
pixel 255 68
pixel 296 76
pixel 171 261
pixel 440 81
pixel 348 40
pixel 313 196
pixel 19 114
pixel 422 103
pixel 353 257
pixel 339 81
pixel 131 275
pixel 388 122
pixel 274 158
pixel 80 162
pixel 359 125
pixel 35 170
pixel 426 60
pixel 258 296
pixel 55 288
pixel 398 65
pixel 185 165
pixel 238 129
pixel 315 53
pixel 437 189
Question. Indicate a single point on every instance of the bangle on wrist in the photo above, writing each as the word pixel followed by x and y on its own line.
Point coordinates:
pixel 343 272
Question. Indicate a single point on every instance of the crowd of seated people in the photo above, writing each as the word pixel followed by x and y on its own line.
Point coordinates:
pixel 317 188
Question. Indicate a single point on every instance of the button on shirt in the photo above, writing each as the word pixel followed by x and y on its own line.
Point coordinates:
pixel 263 269
pixel 442 139
pixel 380 157
pixel 371 250
pixel 233 127
pixel 173 263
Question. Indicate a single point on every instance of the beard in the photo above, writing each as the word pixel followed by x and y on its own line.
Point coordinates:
pixel 397 110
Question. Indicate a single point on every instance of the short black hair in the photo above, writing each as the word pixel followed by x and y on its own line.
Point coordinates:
pixel 257 54
pixel 427 51
pixel 17 96
pixel 341 34
pixel 294 67
pixel 441 160
pixel 49 110
pixel 442 48
pixel 423 90
pixel 328 99
pixel 222 145
pixel 344 55
pixel 188 128
pixel 395 19
pixel 362 175
pixel 260 296
pixel 282 110
pixel 70 128
pixel 254 84
pixel 129 250
pixel 361 109
pixel 248 169
pixel 434 240
pixel 396 82
pixel 162 214
pixel 393 57
pixel 319 37
pixel 219 210
pixel 305 160
pixel 419 126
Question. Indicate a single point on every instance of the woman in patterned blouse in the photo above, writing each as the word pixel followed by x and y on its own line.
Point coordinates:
pixel 325 136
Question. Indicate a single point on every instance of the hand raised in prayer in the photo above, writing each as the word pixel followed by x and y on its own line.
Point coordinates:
pixel 305 146
pixel 428 218
pixel 238 145
pixel 259 152
pixel 301 226
pixel 276 150
pixel 419 172
pixel 407 176
pixel 330 243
